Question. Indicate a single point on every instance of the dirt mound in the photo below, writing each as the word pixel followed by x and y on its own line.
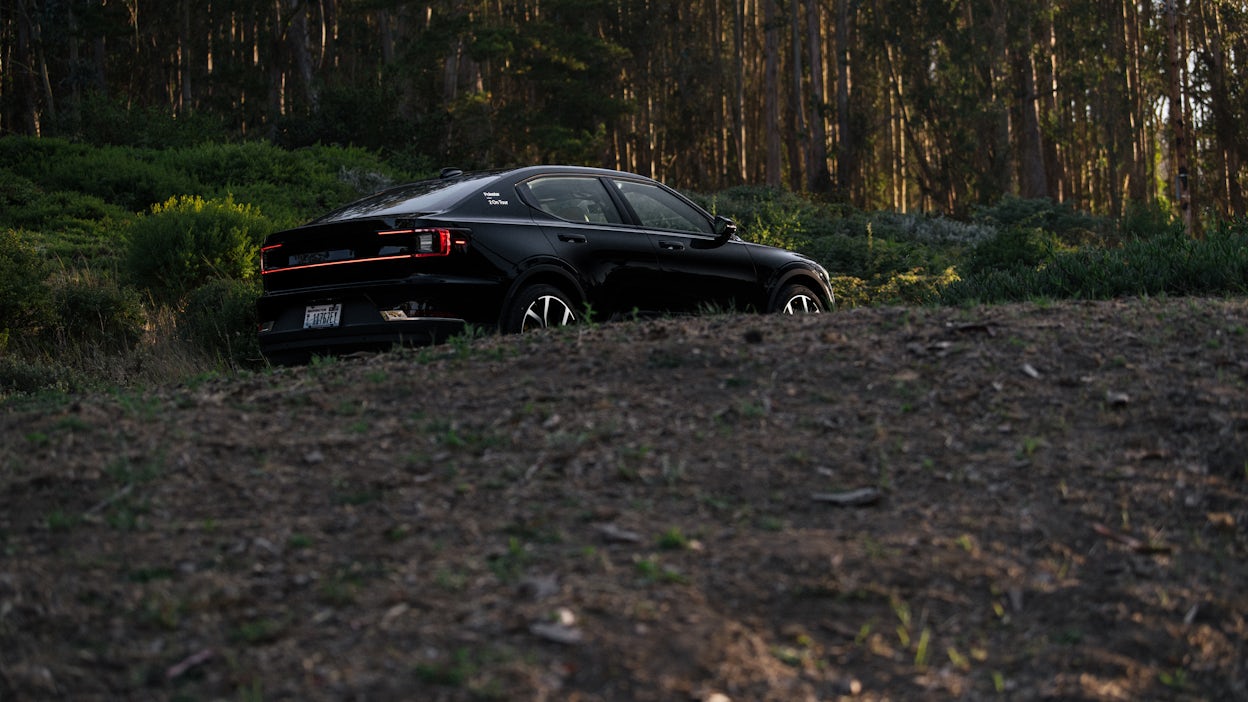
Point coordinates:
pixel 1029 502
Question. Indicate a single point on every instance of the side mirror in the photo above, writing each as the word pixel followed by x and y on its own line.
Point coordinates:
pixel 725 229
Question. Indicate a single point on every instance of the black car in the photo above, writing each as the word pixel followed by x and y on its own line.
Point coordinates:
pixel 513 250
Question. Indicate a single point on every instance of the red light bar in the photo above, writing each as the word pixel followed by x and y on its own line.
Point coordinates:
pixel 426 243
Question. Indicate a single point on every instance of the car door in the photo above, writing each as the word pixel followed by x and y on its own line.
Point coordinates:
pixel 697 272
pixel 616 261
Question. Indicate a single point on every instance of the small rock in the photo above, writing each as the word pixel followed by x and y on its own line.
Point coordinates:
pixel 851 498
pixel 1117 399
pixel 557 633
pixel 611 532
pixel 539 587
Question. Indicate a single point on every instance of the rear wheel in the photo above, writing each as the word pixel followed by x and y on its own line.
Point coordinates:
pixel 797 299
pixel 537 307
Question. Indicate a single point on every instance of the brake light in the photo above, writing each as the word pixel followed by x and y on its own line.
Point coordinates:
pixel 264 257
pixel 425 242
pixel 394 244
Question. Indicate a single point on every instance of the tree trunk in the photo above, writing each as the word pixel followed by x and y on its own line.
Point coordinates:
pixel 1229 143
pixel 817 168
pixel 1002 97
pixel 1180 177
pixel 738 115
pixel 301 56
pixel 1032 181
pixel 1054 173
pixel 771 88
pixel 797 128
pixel 846 144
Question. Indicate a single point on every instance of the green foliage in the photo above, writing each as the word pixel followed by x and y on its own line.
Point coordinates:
pixel 1167 264
pixel 117 121
pixel 52 181
pixel 188 241
pixel 220 318
pixel 119 176
pixel 764 215
pixel 1057 219
pixel 25 377
pixel 25 303
pixel 1143 221
pixel 95 311
pixel 290 187
pixel 1016 247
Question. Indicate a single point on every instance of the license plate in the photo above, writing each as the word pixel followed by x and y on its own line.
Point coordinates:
pixel 322 316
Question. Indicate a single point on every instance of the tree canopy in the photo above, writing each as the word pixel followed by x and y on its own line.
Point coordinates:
pixel 941 105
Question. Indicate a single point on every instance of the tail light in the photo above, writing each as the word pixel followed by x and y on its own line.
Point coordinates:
pixel 391 244
pixel 418 243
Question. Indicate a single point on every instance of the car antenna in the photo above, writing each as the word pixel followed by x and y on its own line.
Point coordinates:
pixel 450 172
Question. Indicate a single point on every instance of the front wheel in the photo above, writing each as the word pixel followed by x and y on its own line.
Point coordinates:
pixel 797 299
pixel 538 307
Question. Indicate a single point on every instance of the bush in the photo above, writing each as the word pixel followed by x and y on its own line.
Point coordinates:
pixel 188 241
pixel 126 177
pixel 220 319
pixel 97 312
pixel 25 304
pixel 25 377
pixel 1072 228
pixel 1171 264
pixel 1013 248
pixel 100 119
pixel 764 215
pixel 1146 221
pixel 290 187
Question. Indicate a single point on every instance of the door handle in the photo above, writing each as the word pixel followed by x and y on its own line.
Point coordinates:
pixel 671 246
pixel 573 238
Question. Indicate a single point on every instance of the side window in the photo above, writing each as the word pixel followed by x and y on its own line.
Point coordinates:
pixel 575 198
pixel 659 209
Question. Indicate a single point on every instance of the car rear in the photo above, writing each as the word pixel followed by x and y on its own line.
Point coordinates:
pixel 356 280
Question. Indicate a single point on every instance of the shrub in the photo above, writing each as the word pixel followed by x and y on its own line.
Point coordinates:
pixel 220 319
pixel 24 300
pixel 188 241
pixel 290 187
pixel 130 178
pixel 1171 264
pixel 764 215
pixel 25 377
pixel 97 312
pixel 101 119
pixel 1146 221
pixel 1059 219
pixel 1013 248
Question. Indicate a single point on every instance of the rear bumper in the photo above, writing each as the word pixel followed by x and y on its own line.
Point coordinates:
pixel 433 309
pixel 301 344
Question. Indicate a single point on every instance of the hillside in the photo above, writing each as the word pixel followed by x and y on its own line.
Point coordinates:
pixel 1019 502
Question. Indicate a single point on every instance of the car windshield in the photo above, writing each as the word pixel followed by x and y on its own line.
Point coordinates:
pixel 425 196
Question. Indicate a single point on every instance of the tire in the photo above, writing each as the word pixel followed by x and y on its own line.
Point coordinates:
pixel 538 307
pixel 797 299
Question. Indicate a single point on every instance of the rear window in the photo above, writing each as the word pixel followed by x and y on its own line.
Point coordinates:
pixel 423 197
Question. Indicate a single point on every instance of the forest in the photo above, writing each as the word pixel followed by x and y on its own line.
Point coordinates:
pixel 906 105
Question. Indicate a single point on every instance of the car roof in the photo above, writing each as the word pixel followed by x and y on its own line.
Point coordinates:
pixel 441 194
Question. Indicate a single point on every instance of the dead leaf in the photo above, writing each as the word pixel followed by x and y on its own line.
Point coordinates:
pixel 177 670
pixel 1131 542
pixel 611 532
pixel 851 498
pixel 557 633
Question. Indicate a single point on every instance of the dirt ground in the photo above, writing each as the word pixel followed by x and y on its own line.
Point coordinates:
pixel 1022 502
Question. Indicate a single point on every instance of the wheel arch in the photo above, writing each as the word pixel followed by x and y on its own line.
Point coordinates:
pixel 800 276
pixel 543 274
